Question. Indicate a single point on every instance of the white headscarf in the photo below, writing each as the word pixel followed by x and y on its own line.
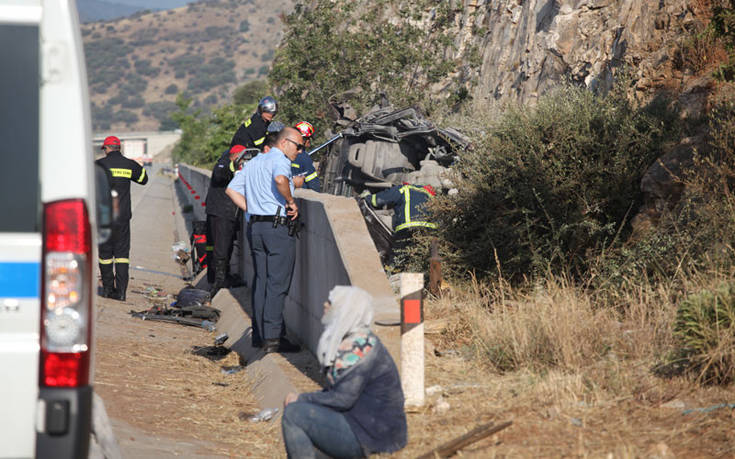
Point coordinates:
pixel 351 312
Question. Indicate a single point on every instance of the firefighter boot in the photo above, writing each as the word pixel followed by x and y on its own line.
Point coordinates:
pixel 108 280
pixel 220 275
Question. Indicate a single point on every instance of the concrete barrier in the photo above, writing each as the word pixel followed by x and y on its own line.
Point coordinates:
pixel 333 248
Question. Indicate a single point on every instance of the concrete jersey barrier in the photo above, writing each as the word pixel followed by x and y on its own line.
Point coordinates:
pixel 333 248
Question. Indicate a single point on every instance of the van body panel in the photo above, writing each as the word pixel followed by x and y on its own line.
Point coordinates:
pixel 65 116
pixel 46 130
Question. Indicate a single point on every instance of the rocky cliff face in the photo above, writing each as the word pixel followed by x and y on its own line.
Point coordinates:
pixel 528 46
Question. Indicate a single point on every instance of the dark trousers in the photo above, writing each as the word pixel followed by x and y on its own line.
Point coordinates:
pixel 274 253
pixel 308 426
pixel 113 258
pixel 220 236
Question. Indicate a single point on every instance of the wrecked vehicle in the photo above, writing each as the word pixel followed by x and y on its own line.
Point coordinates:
pixel 383 148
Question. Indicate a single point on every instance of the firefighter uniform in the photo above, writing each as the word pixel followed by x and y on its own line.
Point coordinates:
pixel 221 220
pixel 408 203
pixel 304 166
pixel 251 133
pixel 113 254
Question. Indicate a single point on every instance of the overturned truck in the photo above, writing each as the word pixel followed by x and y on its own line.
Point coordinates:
pixel 388 147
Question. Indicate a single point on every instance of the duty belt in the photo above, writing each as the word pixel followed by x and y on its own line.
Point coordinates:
pixel 268 218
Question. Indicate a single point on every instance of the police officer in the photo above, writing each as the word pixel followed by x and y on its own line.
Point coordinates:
pixel 113 254
pixel 410 215
pixel 251 133
pixel 222 216
pixel 267 195
pixel 303 166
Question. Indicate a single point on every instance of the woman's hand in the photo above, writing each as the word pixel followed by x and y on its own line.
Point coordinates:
pixel 290 397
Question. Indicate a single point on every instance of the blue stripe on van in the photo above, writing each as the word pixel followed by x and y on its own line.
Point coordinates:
pixel 20 280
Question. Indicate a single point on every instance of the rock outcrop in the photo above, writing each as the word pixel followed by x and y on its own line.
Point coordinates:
pixel 529 46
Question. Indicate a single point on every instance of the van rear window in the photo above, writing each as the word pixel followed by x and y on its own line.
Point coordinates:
pixel 19 124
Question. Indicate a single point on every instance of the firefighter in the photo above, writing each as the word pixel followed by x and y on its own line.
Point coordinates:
pixel 303 166
pixel 113 254
pixel 410 215
pixel 251 133
pixel 222 220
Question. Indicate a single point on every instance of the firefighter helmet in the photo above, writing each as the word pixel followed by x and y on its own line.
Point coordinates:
pixel 274 127
pixel 268 105
pixel 305 128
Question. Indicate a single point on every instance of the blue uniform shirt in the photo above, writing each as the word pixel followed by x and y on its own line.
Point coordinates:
pixel 256 181
pixel 303 165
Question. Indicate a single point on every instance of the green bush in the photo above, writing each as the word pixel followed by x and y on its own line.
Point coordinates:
pixel 250 92
pixel 705 334
pixel 549 188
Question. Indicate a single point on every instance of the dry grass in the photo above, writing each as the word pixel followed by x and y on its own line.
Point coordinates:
pixel 575 376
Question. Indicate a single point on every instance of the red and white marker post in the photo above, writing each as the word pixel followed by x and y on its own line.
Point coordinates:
pixel 412 338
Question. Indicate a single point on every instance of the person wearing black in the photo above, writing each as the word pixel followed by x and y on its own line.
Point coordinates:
pixel 251 133
pixel 221 218
pixel 113 254
pixel 410 215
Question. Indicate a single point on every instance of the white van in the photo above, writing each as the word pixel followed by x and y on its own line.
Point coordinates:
pixel 48 238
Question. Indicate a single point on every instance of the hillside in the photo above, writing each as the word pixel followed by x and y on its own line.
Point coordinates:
pixel 138 65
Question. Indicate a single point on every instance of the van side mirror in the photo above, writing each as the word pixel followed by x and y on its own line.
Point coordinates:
pixel 106 208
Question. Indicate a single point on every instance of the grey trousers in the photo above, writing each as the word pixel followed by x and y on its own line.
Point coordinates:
pixel 274 254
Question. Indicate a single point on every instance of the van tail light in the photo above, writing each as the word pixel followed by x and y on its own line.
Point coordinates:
pixel 66 308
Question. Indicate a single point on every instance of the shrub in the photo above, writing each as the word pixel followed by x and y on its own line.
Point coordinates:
pixel 171 89
pixel 250 92
pixel 244 26
pixel 705 333
pixel 549 188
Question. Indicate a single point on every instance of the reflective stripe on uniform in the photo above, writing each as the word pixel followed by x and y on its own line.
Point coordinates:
pixel 106 261
pixel 142 176
pixel 118 172
pixel 209 248
pixel 407 208
pixel 415 225
pixel 375 201
pixel 297 166
pixel 259 141
pixel 232 166
pixel 122 260
pixel 310 177
pixel 247 122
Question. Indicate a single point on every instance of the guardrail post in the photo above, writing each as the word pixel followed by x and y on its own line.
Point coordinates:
pixel 412 338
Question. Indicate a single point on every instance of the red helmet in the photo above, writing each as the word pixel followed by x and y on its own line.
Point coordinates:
pixel 111 141
pixel 305 128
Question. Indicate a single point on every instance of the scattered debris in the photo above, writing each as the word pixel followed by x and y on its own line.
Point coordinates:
pixel 264 415
pixel 221 384
pixel 181 253
pixel 448 449
pixel 441 406
pixel 433 390
pixel 576 422
pixel 231 370
pixel 709 408
pixel 220 339
pixel 190 308
pixel 210 352
pixel 675 404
